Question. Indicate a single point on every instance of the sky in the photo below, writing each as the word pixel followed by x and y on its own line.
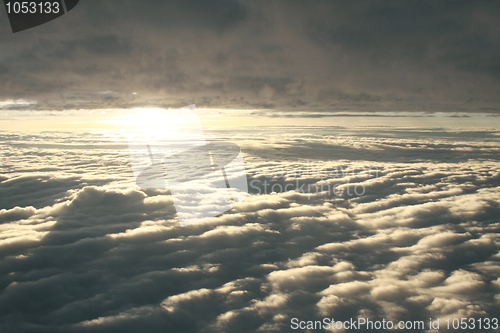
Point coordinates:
pixel 288 55
pixel 368 133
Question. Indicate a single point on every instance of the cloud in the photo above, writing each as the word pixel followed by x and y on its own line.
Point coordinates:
pixel 16 213
pixel 83 251
pixel 418 56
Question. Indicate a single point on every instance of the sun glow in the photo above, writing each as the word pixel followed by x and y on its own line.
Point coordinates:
pixel 148 118
pixel 155 124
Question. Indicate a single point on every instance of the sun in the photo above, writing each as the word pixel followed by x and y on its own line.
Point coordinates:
pixel 148 118
pixel 156 124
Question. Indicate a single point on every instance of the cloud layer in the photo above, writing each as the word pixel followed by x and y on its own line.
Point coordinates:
pixel 363 55
pixel 83 251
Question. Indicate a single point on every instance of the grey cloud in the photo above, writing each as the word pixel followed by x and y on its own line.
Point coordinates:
pixel 419 55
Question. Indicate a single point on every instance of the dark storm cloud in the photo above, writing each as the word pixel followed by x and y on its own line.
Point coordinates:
pixel 377 55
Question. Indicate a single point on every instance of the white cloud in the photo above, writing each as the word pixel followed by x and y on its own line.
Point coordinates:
pixel 84 251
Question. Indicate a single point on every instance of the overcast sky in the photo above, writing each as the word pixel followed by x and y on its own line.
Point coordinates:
pixel 290 55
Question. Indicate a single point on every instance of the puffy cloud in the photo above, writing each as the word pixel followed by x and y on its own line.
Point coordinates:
pixel 86 252
pixel 16 213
